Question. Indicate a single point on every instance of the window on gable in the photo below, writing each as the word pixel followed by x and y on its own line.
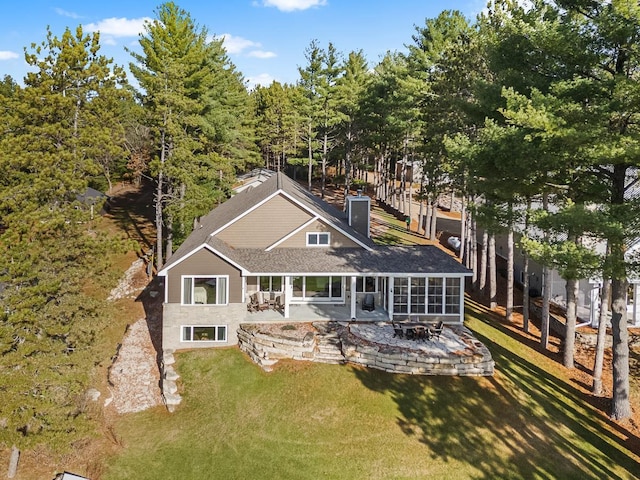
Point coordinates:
pixel 318 239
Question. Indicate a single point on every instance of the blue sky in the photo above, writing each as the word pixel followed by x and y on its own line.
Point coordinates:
pixel 265 39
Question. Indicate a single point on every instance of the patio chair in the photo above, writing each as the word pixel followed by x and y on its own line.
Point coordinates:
pixel 397 330
pixel 278 305
pixel 437 330
pixel 253 304
pixel 368 302
pixel 263 301
pixel 410 334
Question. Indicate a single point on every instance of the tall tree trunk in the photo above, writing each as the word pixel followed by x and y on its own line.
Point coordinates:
pixel 347 167
pixel 603 320
pixel 377 176
pixel 434 220
pixel 463 228
pixel 493 278
pixel 546 298
pixel 159 231
pixel 473 242
pixel 403 182
pixel 427 219
pixel 620 405
pixel 573 287
pixel 325 142
pixel 510 282
pixel 546 290
pixel 525 274
pixel 169 235
pixel 409 200
pixel 482 280
pixel 310 152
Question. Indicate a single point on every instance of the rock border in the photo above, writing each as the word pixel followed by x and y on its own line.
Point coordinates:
pixel 334 343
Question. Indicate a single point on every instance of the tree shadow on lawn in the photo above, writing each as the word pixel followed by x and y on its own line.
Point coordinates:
pixel 600 404
pixel 521 423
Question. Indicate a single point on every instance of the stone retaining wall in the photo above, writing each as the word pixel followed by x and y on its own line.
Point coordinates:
pixel 266 350
pixel 170 377
pixel 466 363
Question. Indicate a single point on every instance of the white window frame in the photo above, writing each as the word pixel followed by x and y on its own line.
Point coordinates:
pixel 271 277
pixel 318 236
pixel 215 328
pixel 442 297
pixel 305 299
pixel 363 280
pixel 192 277
pixel 447 305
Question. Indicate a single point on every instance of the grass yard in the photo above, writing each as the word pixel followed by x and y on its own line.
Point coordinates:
pixel 312 421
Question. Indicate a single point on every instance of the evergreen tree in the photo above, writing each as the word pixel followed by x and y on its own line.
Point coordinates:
pixel 49 258
pixel 199 114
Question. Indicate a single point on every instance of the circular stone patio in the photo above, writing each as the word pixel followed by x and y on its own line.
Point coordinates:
pixel 373 345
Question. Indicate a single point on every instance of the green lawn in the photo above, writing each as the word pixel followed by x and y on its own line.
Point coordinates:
pixel 313 421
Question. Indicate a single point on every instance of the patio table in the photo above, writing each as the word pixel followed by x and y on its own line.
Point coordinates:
pixel 417 331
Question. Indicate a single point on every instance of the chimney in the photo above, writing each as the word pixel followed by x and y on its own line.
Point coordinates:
pixel 358 213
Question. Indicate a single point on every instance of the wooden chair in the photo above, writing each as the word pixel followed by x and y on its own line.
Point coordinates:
pixel 437 330
pixel 253 304
pixel 263 303
pixel 397 330
pixel 278 305
pixel 410 334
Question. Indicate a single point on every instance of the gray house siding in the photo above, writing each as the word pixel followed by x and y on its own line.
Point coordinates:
pixel 203 262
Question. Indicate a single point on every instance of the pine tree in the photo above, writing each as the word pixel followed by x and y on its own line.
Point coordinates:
pixel 49 258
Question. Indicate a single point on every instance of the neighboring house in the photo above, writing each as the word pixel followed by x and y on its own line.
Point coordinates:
pixel 276 253
pixel 252 179
pixel 588 301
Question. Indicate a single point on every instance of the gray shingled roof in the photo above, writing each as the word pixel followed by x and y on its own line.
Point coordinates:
pixel 418 259
pixel 322 208
pixel 243 201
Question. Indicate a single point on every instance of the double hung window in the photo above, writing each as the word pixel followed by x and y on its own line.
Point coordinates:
pixel 318 239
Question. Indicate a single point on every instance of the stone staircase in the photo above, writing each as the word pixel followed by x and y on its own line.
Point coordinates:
pixel 328 344
pixel 329 349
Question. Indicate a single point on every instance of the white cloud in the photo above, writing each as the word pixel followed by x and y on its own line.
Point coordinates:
pixel 263 79
pixel 235 45
pixel 118 27
pixel 292 5
pixel 261 54
pixel 64 13
pixel 7 55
